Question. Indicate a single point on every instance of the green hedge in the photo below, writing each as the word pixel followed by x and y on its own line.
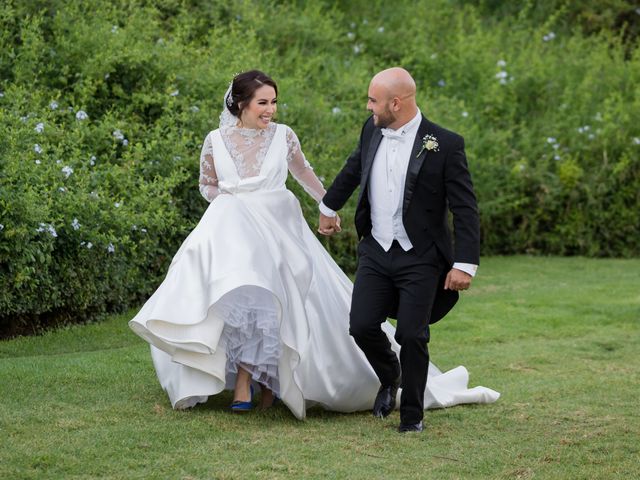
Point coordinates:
pixel 104 105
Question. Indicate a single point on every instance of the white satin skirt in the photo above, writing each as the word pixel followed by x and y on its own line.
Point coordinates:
pixel 251 285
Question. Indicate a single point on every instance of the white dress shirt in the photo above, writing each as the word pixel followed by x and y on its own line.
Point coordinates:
pixel 386 188
pixel 386 184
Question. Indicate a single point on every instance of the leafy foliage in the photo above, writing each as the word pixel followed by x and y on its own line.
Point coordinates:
pixel 104 105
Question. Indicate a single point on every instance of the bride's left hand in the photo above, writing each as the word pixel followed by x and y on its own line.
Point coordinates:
pixel 329 225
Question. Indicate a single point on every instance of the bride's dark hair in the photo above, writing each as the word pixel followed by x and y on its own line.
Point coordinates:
pixel 243 88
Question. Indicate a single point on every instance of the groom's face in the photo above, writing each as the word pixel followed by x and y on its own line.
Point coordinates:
pixel 379 104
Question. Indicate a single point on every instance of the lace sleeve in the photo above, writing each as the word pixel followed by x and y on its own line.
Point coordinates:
pixel 300 168
pixel 208 178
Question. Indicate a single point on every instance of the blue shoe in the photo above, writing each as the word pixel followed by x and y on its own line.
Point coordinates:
pixel 240 407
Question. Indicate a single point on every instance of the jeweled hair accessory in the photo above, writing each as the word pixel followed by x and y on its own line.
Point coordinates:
pixel 227 119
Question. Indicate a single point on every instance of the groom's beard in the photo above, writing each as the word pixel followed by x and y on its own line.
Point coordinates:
pixel 384 119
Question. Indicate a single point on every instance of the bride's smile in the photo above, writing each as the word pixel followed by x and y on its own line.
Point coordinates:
pixel 261 109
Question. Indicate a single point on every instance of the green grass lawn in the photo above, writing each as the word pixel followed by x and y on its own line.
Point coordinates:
pixel 558 337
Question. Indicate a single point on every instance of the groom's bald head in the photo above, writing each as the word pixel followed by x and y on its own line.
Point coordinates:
pixel 392 97
pixel 397 81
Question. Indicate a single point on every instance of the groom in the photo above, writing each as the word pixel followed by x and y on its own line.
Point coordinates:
pixel 410 172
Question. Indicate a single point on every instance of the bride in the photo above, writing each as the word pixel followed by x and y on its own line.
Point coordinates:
pixel 252 297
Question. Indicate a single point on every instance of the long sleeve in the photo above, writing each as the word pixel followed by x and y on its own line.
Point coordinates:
pixel 208 178
pixel 301 169
pixel 349 177
pixel 463 205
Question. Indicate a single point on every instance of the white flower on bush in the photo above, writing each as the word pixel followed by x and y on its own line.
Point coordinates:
pixel 433 56
pixel 636 140
pixel 134 227
pixel 117 204
pixel 557 157
pixel 549 36
pixel 551 140
pixel 465 114
pixel 351 35
pixel 501 63
pixel 143 230
pixel 441 83
pixel 53 105
pixel 583 129
pixel 114 29
pixel 47 227
pixel 38 162
pixel 1 227
pixel 37 148
pixel 111 248
pixel 67 170
pixel 175 93
pixel 62 189
pixel 89 245
pixel 93 194
pixel 502 76
pixel 195 109
pixel 92 160
pixel 1 94
pixel 357 48
pixel 118 135
pixel 81 115
pixel 75 224
pixel 39 127
pixel 380 29
pixel 336 110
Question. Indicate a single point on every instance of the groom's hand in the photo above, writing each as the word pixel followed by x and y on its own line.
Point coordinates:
pixel 329 225
pixel 457 280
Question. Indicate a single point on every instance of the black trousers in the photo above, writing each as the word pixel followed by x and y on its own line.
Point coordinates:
pixel 382 279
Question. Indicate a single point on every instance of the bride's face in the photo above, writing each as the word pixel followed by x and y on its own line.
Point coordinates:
pixel 261 108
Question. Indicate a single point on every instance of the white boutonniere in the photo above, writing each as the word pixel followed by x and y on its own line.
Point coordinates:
pixel 429 143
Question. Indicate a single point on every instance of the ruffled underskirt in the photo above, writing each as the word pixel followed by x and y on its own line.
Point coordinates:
pixel 251 335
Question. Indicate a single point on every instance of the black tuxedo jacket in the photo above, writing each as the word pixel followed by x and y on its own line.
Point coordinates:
pixel 436 182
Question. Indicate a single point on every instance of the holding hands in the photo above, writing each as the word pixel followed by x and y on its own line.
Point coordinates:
pixel 329 225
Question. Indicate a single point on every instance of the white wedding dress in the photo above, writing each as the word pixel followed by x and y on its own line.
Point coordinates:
pixel 252 286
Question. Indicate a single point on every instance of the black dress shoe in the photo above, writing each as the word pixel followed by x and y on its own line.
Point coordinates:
pixel 386 400
pixel 410 427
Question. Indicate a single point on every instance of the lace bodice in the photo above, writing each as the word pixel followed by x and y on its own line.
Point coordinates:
pixel 248 148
